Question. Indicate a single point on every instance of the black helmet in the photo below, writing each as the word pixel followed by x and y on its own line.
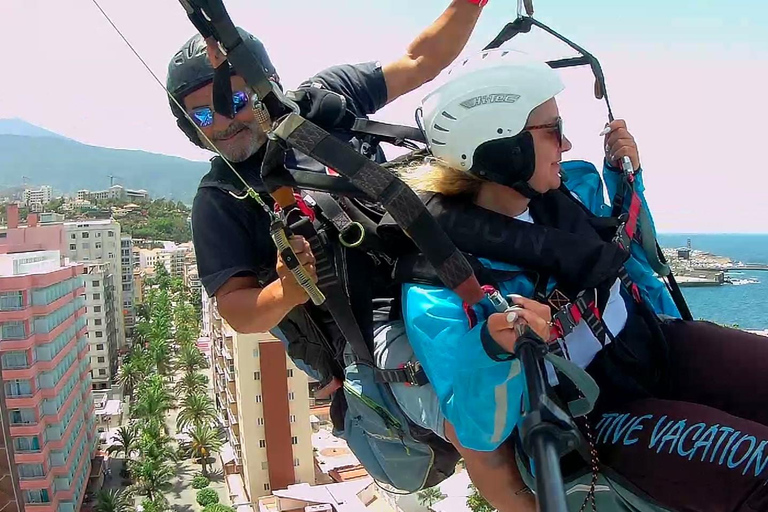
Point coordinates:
pixel 190 70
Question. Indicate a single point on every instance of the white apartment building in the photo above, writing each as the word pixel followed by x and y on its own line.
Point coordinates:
pixel 101 318
pixel 99 241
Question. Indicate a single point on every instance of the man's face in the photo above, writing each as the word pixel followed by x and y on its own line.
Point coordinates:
pixel 236 139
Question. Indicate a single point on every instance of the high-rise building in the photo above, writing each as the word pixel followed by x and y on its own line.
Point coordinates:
pixel 259 391
pixel 126 283
pixel 101 319
pixel 172 256
pixel 11 499
pixel 46 400
pixel 39 197
pixel 99 241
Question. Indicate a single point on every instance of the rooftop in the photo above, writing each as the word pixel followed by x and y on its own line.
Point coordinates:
pixel 343 497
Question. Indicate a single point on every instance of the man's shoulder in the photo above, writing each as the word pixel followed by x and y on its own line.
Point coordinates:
pixel 332 74
pixel 217 203
pixel 363 84
pixel 220 177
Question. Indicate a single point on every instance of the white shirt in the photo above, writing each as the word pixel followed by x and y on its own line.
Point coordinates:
pixel 581 343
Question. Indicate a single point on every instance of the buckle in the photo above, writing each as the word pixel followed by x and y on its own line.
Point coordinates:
pixel 415 374
pixel 356 238
pixel 564 319
pixel 621 238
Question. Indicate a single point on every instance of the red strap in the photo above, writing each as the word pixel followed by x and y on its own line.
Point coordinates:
pixel 302 205
pixel 556 331
pixel 469 310
pixel 634 213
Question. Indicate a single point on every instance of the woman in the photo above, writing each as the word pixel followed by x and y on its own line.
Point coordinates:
pixel 682 404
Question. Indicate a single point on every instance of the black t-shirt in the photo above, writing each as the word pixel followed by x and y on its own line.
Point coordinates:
pixel 231 234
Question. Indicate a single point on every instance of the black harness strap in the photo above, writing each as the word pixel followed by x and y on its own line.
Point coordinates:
pixel 337 298
pixel 351 233
pixel 399 200
pixel 392 133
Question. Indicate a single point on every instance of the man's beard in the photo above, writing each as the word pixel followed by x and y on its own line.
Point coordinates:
pixel 241 147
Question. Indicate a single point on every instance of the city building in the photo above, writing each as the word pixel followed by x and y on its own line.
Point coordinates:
pixel 172 256
pixel 32 237
pixel 101 318
pixel 191 278
pixel 39 197
pixel 138 286
pixel 260 391
pixel 49 433
pixel 126 283
pixel 99 241
pixel 117 192
pixel 11 499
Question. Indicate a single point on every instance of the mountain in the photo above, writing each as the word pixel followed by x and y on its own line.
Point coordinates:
pixel 18 126
pixel 68 165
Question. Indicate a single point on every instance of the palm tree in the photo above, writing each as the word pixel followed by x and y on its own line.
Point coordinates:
pixel 154 441
pixel 184 314
pixel 190 359
pixel 153 399
pixel 205 442
pixel 113 500
pixel 130 375
pixel 186 334
pixel 429 497
pixel 142 313
pixel 152 477
pixel 160 352
pixel 191 383
pixel 126 441
pixel 196 409
pixel 141 332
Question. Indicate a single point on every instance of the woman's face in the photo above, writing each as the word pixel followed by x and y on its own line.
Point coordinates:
pixel 545 126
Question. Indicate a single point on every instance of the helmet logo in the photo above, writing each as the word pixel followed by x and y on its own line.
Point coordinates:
pixel 487 99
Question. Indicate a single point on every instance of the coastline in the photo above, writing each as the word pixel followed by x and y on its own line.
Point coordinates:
pixel 694 268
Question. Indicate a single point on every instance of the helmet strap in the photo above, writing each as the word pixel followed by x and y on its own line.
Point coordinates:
pixel 222 91
pixel 524 188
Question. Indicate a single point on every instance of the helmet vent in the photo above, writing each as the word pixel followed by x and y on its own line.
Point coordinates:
pixel 440 128
pixel 437 142
pixel 449 116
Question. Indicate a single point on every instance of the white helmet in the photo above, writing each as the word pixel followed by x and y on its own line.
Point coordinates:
pixel 487 97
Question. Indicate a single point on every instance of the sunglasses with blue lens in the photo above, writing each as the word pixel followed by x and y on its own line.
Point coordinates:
pixel 203 116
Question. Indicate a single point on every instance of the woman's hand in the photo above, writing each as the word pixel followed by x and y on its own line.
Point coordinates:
pixel 620 143
pixel 505 328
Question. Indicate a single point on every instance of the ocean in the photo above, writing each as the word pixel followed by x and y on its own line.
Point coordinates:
pixel 744 305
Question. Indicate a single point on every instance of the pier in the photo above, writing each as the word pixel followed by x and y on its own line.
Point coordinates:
pixel 734 268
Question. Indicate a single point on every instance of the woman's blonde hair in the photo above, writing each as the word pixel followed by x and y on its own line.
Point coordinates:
pixel 430 175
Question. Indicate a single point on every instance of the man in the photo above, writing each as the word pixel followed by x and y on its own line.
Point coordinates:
pixel 237 260
pixel 236 256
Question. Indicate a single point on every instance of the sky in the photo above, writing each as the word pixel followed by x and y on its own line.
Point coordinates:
pixel 688 76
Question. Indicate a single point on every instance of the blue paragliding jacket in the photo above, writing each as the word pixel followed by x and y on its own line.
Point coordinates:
pixel 480 396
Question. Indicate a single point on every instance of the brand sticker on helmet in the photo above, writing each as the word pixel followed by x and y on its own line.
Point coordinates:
pixel 487 99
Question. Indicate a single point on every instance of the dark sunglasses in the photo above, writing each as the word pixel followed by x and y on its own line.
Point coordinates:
pixel 203 116
pixel 557 126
